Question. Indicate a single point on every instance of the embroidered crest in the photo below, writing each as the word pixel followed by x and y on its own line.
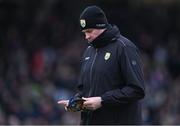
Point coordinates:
pixel 107 56
pixel 133 62
pixel 83 23
pixel 87 58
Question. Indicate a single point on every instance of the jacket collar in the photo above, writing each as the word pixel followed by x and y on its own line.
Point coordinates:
pixel 107 37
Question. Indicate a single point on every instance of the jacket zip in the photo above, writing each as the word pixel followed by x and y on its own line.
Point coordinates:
pixel 91 87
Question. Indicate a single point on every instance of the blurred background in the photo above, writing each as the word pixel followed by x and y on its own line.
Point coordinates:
pixel 40 55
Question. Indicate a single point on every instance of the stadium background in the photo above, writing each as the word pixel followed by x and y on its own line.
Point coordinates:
pixel 41 47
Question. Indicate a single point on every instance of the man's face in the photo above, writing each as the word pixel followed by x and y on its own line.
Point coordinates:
pixel 91 34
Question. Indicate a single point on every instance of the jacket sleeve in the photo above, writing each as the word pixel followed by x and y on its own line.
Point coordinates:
pixel 131 69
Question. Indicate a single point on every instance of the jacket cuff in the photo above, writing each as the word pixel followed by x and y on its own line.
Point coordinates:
pixel 103 100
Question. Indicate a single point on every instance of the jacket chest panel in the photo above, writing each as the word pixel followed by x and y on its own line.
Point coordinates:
pixel 105 62
pixel 100 61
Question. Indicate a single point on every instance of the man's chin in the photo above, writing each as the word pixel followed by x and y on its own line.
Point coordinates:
pixel 90 41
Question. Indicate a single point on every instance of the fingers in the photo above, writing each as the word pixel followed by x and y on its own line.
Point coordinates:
pixel 66 108
pixel 63 102
pixel 92 103
pixel 87 103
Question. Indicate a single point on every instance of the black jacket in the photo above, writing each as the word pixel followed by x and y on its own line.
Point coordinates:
pixel 112 69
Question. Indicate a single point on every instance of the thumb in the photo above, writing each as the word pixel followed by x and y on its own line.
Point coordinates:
pixel 63 102
pixel 84 98
pixel 60 102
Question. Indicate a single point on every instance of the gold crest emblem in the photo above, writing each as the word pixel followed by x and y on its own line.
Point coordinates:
pixel 83 23
pixel 107 56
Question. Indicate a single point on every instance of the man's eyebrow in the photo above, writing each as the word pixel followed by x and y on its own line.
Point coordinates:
pixel 87 30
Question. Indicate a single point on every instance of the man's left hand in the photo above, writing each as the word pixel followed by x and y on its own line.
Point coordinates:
pixel 92 103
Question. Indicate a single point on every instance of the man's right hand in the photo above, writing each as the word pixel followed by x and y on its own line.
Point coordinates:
pixel 64 103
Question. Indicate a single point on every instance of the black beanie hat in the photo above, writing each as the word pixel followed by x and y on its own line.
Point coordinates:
pixel 93 17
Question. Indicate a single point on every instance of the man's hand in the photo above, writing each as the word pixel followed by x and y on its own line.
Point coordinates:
pixel 92 103
pixel 64 103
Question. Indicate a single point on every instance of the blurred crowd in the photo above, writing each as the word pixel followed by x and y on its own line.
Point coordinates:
pixel 40 57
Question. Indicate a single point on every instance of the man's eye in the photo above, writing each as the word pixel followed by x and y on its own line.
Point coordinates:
pixel 89 31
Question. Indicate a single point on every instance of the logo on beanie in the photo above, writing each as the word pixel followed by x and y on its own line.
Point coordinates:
pixel 83 23
pixel 107 56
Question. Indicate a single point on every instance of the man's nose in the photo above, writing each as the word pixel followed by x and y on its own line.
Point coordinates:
pixel 87 36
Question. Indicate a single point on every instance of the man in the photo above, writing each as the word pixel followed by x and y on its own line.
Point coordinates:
pixel 111 80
